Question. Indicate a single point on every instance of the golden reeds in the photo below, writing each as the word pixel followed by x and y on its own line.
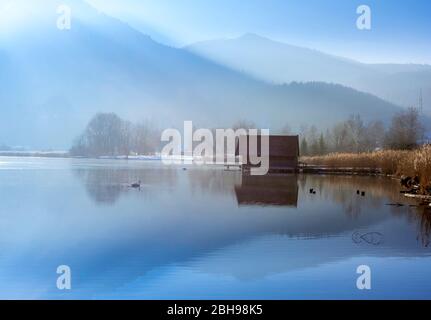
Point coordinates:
pixel 392 162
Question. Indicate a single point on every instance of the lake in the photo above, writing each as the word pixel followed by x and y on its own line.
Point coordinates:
pixel 204 233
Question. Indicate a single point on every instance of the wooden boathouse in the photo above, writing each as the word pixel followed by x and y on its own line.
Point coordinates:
pixel 283 153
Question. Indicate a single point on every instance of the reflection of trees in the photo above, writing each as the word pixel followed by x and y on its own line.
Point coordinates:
pixel 379 192
pixel 103 185
pixel 424 225
pixel 215 181
pixel 106 185
pixel 342 190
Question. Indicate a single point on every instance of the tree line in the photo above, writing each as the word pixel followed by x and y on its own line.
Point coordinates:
pixel 405 132
pixel 108 135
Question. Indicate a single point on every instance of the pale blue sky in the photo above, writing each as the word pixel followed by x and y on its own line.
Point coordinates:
pixel 400 29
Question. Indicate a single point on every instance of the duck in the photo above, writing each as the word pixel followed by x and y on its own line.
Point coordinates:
pixel 136 185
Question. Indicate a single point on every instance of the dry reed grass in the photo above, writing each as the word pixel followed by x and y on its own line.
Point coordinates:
pixel 392 162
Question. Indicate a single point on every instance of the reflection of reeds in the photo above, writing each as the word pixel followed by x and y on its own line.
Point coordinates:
pixel 411 163
pixel 425 225
pixel 342 190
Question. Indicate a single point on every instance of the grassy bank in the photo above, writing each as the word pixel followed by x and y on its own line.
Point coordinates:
pixel 409 163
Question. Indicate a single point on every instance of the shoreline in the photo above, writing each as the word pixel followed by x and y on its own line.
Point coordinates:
pixel 305 169
pixel 412 167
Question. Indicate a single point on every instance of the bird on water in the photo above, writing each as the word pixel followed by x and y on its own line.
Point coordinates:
pixel 136 185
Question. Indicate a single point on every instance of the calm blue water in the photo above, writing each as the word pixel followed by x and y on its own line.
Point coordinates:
pixel 203 233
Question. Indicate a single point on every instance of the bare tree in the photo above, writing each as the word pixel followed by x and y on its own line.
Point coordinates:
pixel 286 130
pixel 304 147
pixel 104 135
pixel 313 141
pixel 145 138
pixel 340 137
pixel 406 130
pixel 355 133
pixel 374 136
pixel 322 145
pixel 244 124
pixel 109 135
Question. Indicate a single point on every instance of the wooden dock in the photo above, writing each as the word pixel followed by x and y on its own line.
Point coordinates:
pixel 311 169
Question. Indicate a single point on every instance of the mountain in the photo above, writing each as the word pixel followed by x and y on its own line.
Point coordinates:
pixel 278 62
pixel 55 81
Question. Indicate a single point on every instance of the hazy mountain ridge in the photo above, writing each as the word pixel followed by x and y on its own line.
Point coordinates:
pixel 56 80
pixel 279 62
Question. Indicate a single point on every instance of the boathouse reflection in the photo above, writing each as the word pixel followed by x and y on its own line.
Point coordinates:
pixel 270 190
